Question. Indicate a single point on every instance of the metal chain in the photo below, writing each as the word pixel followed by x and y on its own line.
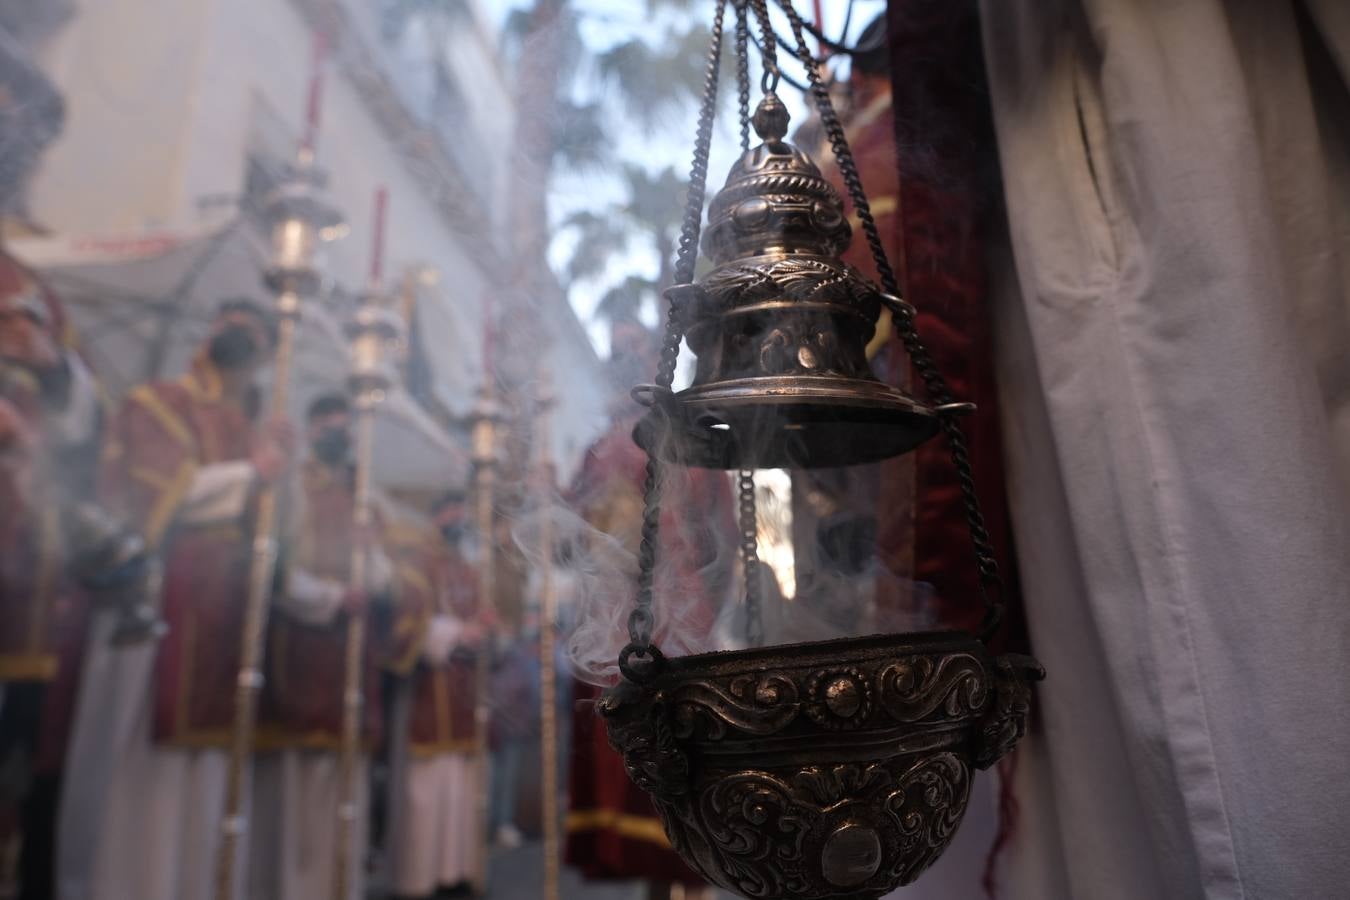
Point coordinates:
pixel 934 383
pixel 743 70
pixel 641 621
pixel 749 522
pixel 767 47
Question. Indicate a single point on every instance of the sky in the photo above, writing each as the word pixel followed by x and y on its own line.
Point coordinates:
pixel 605 23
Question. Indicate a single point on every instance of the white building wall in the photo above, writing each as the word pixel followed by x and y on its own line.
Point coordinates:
pixel 164 98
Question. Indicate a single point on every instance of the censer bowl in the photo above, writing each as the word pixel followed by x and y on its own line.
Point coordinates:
pixel 836 769
pixel 785 422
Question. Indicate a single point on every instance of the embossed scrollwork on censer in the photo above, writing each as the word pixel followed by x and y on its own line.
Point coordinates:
pixel 1006 722
pixel 916 687
pixel 758 828
pixel 927 807
pixel 757 705
pixel 811 280
pixel 641 731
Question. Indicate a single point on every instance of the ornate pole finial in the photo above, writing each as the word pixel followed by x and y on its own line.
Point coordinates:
pixel 298 216
pixel 374 331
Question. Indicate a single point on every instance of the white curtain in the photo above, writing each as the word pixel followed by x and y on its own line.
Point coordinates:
pixel 1174 351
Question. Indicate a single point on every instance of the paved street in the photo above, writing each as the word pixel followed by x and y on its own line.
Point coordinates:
pixel 518 874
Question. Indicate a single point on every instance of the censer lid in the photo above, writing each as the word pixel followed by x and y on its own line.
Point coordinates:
pixel 775 200
pixel 780 328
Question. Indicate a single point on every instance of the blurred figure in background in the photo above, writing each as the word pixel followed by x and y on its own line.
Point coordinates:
pixel 434 811
pixel 183 461
pixel 515 726
pixel 297 789
pixel 57 550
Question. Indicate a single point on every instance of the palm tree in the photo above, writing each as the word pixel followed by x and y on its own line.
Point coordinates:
pixel 650 213
pixel 555 130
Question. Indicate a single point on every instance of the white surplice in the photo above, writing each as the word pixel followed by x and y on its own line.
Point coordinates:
pixel 295 803
pixel 1173 333
pixel 438 847
pixel 139 820
pixel 433 809
pixel 296 793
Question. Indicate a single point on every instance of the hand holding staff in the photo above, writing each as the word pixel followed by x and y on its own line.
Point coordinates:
pixel 373 331
pixel 297 214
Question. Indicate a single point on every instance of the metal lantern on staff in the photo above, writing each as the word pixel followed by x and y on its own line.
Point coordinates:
pixel 375 332
pixel 834 769
pixel 299 218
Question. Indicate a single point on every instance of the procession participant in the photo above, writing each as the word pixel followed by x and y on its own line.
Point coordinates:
pixel 47 559
pixel 514 729
pixel 613 832
pixel 297 789
pixel 436 810
pixel 183 460
pixel 53 413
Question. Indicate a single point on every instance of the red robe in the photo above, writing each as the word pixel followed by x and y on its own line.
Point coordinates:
pixel 41 612
pixel 432 579
pixel 164 433
pixel 306 664
pixel 926 198
pixel 612 829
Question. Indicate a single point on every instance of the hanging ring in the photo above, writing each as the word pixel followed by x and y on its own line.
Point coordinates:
pixel 647 671
pixel 900 308
pixel 649 395
pixel 956 409
pixel 641 621
pixel 768 82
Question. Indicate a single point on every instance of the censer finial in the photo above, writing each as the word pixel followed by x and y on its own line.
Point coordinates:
pixel 771 119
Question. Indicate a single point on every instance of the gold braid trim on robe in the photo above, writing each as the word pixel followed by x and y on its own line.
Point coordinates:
pixel 640 828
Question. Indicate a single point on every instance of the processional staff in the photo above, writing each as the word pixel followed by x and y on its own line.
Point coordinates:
pixel 298 217
pixel 374 331
pixel 548 686
pixel 486 417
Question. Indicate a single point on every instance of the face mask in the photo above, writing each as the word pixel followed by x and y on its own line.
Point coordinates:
pixel 332 445
pixel 233 348
pixel 452 534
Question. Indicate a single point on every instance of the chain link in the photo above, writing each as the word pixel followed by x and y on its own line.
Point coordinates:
pixel 642 621
pixel 749 522
pixel 939 393
pixel 768 48
pixel 743 70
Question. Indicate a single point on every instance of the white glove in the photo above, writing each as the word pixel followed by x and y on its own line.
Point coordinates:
pixel 442 637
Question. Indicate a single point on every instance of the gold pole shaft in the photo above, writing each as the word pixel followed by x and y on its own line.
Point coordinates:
pixel 485 482
pixel 548 687
pixel 353 688
pixel 248 684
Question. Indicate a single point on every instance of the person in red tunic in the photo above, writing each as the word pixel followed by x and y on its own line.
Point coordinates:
pixel 613 832
pixel 183 461
pixel 59 553
pixel 435 815
pixel 297 786
pixel 63 560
